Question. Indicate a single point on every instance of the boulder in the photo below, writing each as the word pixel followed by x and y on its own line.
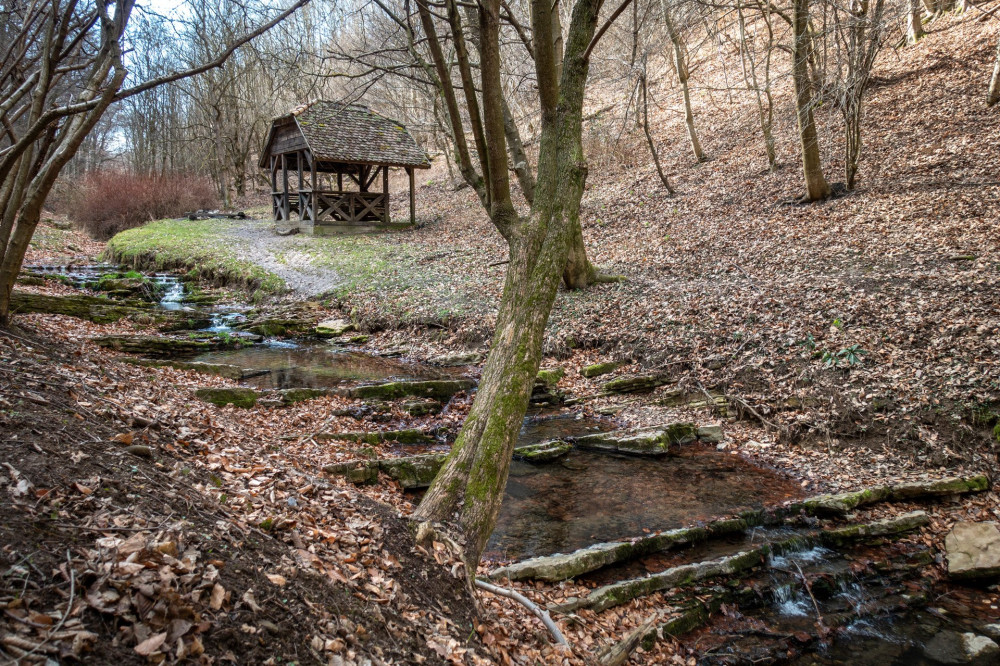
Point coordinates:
pixel 360 471
pixel 598 369
pixel 952 647
pixel 440 389
pixel 973 550
pixel 238 397
pixel 334 328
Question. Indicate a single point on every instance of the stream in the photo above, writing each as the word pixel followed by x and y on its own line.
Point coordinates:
pixel 587 497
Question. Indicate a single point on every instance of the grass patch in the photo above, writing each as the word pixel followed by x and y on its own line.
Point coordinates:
pixel 196 247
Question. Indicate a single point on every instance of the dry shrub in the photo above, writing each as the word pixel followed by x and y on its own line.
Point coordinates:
pixel 610 142
pixel 107 202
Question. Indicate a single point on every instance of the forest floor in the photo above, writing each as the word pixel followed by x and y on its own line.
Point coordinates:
pixel 212 535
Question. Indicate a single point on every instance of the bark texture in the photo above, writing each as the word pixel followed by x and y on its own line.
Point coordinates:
pixel 816 186
pixel 993 95
pixel 468 491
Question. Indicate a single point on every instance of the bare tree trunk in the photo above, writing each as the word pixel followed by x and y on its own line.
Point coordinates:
pixel 993 96
pixel 644 89
pixel 765 111
pixel 915 26
pixel 681 65
pixel 816 186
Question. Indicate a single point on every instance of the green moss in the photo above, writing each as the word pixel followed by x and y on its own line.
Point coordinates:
pixel 550 377
pixel 197 246
pixel 599 369
pixel 238 397
pixel 437 389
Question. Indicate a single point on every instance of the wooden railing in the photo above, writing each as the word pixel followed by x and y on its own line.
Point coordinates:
pixel 348 207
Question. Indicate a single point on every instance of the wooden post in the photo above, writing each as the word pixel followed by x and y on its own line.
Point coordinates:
pixel 285 203
pixel 340 180
pixel 314 197
pixel 413 201
pixel 385 195
pixel 274 186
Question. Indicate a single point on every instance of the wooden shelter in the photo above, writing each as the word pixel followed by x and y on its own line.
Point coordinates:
pixel 341 144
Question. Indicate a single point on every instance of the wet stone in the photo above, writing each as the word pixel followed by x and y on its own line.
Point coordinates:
pixel 952 647
pixel 543 451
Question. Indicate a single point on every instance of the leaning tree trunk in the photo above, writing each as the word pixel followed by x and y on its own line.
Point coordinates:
pixel 469 489
pixel 993 96
pixel 816 185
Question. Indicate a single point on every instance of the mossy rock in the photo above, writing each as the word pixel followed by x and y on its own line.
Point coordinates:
pixel 635 384
pixel 333 328
pixel 885 527
pixel 409 436
pixel 598 369
pixel 421 407
pixel 291 396
pixel 218 369
pixel 154 345
pixel 413 471
pixel 439 389
pixel 840 503
pixel 81 306
pixel 543 451
pixel 457 359
pixel 357 471
pixel 275 327
pixel 237 397
pixel 550 377
pixel 650 442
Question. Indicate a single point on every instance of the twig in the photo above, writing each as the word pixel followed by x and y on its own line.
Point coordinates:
pixel 618 653
pixel 745 405
pixel 69 607
pixel 805 583
pixel 498 263
pixel 541 614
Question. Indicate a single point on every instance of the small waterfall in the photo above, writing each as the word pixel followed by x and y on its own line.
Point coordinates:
pixel 173 291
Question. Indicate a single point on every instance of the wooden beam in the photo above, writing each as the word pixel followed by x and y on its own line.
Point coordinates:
pixel 413 201
pixel 385 192
pixel 285 203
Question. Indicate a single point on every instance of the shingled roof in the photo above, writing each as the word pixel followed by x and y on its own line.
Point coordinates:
pixel 353 134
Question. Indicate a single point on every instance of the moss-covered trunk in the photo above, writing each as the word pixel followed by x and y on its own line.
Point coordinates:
pixel 469 489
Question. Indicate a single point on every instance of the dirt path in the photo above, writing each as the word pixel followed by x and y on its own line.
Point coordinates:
pixel 257 241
